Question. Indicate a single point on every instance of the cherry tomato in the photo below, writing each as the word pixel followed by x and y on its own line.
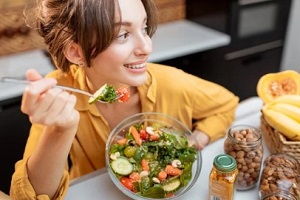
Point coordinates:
pixel 144 135
pixel 124 92
pixel 127 182
pixel 170 195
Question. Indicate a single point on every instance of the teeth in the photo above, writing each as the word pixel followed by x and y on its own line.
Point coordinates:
pixel 135 66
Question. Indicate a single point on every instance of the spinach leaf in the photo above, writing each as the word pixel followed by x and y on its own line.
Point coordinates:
pixel 155 192
pixel 109 94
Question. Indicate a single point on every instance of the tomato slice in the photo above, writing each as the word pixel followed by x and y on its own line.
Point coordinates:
pixel 124 92
pixel 127 182
pixel 144 135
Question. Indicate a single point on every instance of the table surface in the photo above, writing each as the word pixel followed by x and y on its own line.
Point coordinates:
pixel 98 183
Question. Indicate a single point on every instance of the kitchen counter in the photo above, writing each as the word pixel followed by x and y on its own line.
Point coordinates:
pixel 184 37
pixel 16 65
pixel 171 40
pixel 98 184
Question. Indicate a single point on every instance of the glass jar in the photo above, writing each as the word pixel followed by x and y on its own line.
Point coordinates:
pixel 279 196
pixel 280 178
pixel 222 177
pixel 244 143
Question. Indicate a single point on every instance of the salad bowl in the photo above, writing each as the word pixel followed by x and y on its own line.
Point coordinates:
pixel 152 156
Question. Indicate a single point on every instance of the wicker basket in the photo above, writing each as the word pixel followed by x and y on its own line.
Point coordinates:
pixel 15 36
pixel 277 143
pixel 170 10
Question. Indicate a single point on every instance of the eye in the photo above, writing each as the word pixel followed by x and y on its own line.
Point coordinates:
pixel 145 30
pixel 123 36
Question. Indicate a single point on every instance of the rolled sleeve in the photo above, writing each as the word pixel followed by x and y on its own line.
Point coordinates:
pixel 21 188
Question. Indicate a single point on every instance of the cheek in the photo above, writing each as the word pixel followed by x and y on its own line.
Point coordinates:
pixel 116 54
pixel 108 57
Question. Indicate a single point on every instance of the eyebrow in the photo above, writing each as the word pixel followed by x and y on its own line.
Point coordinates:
pixel 127 23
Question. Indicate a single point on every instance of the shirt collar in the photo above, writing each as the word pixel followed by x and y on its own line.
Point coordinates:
pixel 148 92
pixel 79 75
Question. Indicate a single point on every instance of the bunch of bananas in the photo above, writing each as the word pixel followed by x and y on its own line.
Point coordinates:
pixel 283 114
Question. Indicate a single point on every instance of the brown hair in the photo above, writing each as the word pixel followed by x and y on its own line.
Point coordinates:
pixel 89 23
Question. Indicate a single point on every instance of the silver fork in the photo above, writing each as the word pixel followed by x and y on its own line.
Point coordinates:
pixel 67 88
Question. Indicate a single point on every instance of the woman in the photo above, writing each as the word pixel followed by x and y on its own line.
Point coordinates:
pixel 108 42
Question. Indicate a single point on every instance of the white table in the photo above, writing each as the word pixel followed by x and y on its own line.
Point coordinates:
pixel 98 184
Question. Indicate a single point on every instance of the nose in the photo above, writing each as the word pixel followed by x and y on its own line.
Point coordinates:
pixel 143 46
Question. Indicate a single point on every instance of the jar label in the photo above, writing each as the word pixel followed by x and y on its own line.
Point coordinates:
pixel 220 191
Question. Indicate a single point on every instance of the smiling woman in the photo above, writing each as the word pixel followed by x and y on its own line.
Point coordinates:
pixel 92 43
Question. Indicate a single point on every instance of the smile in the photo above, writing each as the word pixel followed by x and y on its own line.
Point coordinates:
pixel 139 66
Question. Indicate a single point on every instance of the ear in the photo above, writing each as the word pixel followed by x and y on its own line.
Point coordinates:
pixel 73 53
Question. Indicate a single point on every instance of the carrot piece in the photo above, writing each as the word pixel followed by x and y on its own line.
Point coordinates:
pixel 135 176
pixel 162 175
pixel 154 137
pixel 122 141
pixel 145 165
pixel 173 171
pixel 135 135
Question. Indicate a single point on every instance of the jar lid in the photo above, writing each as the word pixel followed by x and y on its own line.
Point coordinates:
pixel 225 163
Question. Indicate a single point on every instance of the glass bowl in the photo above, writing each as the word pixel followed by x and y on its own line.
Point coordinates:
pixel 176 143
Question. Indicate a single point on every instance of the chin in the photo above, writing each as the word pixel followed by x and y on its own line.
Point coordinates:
pixel 139 80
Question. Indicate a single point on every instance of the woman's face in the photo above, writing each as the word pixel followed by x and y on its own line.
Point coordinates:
pixel 124 61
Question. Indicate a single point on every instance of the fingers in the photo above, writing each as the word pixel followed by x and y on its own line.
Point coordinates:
pixel 33 75
pixel 55 108
pixel 60 110
pixel 202 139
pixel 48 105
pixel 33 92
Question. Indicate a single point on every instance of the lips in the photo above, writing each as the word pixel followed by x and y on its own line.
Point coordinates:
pixel 138 66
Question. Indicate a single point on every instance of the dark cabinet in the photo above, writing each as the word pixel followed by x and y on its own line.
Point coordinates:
pixel 238 75
pixel 257 30
pixel 14 126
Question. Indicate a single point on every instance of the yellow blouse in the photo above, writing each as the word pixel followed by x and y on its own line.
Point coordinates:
pixel 197 103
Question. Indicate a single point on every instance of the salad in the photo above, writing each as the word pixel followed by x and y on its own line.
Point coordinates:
pixel 152 161
pixel 107 93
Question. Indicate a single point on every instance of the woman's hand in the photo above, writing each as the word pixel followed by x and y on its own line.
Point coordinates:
pixel 47 105
pixel 202 138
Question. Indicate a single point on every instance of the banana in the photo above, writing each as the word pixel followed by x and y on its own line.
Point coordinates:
pixel 292 99
pixel 287 109
pixel 281 122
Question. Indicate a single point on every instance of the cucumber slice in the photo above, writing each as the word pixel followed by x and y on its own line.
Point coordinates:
pixel 172 185
pixel 97 95
pixel 122 166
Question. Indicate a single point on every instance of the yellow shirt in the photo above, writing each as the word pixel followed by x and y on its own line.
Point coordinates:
pixel 197 103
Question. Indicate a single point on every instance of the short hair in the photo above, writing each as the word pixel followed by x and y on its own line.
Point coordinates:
pixel 89 23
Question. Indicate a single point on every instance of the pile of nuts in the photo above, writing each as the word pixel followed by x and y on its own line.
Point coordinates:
pixel 280 177
pixel 244 144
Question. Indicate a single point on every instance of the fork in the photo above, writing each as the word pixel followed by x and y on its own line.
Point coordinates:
pixel 67 88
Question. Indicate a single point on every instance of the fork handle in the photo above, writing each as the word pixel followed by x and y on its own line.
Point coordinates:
pixel 13 80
